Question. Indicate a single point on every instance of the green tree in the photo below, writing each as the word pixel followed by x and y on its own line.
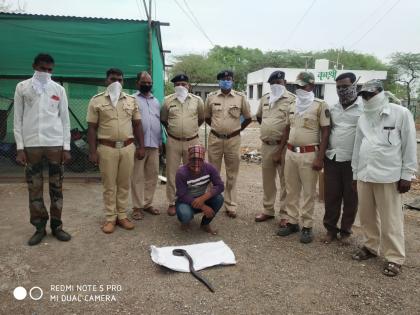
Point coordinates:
pixel 406 71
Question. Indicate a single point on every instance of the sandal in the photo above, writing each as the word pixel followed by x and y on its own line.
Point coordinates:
pixel 391 269
pixel 152 210
pixel 137 214
pixel 363 254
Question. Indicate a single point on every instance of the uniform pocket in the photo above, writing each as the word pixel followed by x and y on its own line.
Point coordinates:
pixel 234 111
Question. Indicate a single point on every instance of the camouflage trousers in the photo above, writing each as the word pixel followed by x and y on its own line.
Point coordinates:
pixel 35 181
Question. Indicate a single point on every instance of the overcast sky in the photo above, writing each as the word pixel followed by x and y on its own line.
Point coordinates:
pixel 378 27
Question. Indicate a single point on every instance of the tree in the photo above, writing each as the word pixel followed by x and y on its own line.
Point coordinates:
pixel 406 68
pixel 5 6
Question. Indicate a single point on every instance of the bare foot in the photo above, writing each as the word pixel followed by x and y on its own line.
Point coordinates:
pixel 207 228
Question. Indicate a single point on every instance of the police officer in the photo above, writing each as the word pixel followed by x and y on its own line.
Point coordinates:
pixel 182 113
pixel 223 110
pixel 306 135
pixel 113 121
pixel 271 114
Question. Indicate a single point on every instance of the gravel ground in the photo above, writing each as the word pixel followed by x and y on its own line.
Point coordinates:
pixel 273 275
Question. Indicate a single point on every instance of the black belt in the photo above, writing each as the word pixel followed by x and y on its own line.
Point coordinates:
pixel 226 136
pixel 182 139
pixel 183 252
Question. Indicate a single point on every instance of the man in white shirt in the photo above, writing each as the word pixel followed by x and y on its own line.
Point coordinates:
pixel 338 177
pixel 384 162
pixel 42 130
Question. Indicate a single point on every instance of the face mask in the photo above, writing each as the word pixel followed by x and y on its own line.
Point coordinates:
pixel 144 89
pixel 114 91
pixel 347 95
pixel 277 90
pixel 225 84
pixel 375 104
pixel 40 80
pixel 181 93
pixel 304 100
pixel 42 77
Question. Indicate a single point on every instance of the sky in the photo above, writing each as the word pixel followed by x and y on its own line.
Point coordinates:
pixel 378 27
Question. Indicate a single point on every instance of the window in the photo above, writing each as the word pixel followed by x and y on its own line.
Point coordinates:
pixel 259 91
pixel 251 92
pixel 198 93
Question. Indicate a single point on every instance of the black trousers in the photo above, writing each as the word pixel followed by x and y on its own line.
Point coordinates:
pixel 338 178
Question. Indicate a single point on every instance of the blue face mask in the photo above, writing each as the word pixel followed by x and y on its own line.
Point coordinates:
pixel 225 84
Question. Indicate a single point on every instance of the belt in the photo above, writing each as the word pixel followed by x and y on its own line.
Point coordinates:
pixel 226 136
pixel 182 139
pixel 271 142
pixel 116 144
pixel 183 252
pixel 304 149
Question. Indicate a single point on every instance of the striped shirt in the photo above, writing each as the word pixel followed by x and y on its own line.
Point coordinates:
pixel 189 187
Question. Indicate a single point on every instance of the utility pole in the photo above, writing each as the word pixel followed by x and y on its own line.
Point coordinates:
pixel 149 22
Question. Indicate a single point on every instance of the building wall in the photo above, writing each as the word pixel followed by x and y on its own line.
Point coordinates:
pixel 323 76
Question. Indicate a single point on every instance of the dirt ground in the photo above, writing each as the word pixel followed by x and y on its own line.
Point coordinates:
pixel 273 275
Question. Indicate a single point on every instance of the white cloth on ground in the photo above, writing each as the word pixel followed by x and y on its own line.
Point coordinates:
pixel 204 255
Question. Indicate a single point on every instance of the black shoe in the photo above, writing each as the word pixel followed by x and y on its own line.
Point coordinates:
pixel 306 235
pixel 61 235
pixel 37 237
pixel 288 229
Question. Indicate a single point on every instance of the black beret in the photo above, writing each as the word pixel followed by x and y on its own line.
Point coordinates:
pixel 224 73
pixel 276 75
pixel 180 77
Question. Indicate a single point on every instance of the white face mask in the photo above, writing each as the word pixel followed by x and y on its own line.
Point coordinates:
pixel 181 93
pixel 304 100
pixel 40 81
pixel 42 77
pixel 277 90
pixel 375 104
pixel 114 91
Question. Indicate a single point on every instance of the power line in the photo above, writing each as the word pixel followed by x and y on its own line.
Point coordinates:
pixel 374 25
pixel 197 25
pixel 193 16
pixel 298 23
pixel 140 11
pixel 382 4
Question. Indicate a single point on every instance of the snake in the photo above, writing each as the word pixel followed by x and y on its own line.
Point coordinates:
pixel 184 253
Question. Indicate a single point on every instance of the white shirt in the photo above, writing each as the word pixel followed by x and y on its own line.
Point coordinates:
pixel 385 151
pixel 41 120
pixel 343 130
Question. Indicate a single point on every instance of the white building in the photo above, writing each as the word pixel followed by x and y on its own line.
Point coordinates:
pixel 257 84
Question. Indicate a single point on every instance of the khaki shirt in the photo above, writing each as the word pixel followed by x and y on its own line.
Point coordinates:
pixel 114 123
pixel 225 111
pixel 182 119
pixel 305 129
pixel 274 116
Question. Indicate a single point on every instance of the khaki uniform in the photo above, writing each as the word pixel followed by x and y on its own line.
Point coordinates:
pixel 272 127
pixel 182 121
pixel 116 165
pixel 305 130
pixel 225 112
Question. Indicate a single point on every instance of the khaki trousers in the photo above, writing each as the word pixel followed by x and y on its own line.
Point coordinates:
pixel 116 166
pixel 229 150
pixel 382 219
pixel 144 179
pixel 270 171
pixel 175 152
pixel 300 176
